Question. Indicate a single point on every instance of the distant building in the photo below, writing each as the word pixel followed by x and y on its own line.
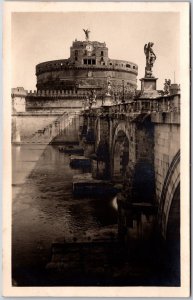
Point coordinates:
pixel 63 84
pixel 89 67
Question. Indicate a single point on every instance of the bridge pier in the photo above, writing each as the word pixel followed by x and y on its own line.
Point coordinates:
pixel 136 222
pixel 103 145
pixel 83 126
pixel 135 144
pixel 89 140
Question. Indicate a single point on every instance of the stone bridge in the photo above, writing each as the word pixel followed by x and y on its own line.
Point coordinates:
pixel 137 146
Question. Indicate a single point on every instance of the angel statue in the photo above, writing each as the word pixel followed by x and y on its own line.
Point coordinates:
pixel 150 59
pixel 93 97
pixel 109 88
pixel 86 31
pixel 167 85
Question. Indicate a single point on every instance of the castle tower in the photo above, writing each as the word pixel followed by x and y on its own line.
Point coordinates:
pixel 18 96
pixel 88 67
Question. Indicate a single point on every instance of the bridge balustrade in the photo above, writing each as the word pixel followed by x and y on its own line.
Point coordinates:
pixel 169 103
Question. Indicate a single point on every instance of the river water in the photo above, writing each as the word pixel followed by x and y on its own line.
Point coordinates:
pixel 44 209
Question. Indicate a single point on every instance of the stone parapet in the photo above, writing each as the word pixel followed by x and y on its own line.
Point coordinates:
pixel 169 106
pixel 166 117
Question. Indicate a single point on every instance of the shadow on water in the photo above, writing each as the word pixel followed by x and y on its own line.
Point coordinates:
pixel 44 209
pixel 47 220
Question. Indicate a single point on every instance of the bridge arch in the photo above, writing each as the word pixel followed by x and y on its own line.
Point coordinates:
pixel 97 130
pixel 120 151
pixel 169 208
pixel 173 236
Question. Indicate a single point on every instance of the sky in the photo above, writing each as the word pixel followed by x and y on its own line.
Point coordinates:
pixel 39 37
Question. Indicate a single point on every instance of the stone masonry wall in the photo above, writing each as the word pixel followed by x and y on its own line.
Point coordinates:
pixel 167 144
pixel 27 125
pixel 52 104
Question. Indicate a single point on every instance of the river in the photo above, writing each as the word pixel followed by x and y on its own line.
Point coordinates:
pixel 44 209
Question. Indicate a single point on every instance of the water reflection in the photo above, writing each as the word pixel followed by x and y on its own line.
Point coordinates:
pixel 114 203
pixel 44 209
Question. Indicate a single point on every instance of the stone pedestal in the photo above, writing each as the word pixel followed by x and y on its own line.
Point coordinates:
pixel 108 101
pixel 88 148
pixel 95 105
pixel 148 87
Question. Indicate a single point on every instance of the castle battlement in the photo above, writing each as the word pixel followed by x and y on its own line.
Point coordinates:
pixel 89 64
pixel 64 83
pixel 83 92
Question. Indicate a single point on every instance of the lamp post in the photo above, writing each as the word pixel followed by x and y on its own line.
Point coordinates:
pixel 123 98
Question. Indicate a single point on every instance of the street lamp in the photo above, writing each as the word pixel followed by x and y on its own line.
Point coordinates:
pixel 123 98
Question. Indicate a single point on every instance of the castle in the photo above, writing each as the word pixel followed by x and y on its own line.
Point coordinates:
pixel 63 84
pixel 67 86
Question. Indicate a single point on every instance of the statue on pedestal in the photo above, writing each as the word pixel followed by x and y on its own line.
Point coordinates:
pixel 86 31
pixel 109 88
pixel 150 59
pixel 91 99
pixel 167 85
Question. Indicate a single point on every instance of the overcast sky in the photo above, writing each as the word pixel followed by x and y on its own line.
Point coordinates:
pixel 39 37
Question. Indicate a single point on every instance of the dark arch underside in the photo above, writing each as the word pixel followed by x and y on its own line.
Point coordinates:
pixel 173 236
pixel 120 155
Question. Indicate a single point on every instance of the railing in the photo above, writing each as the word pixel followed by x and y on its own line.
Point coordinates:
pixel 162 104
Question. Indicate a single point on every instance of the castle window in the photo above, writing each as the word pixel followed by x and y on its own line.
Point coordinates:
pixel 133 67
pixel 110 64
pixel 104 64
pixel 76 52
pixel 76 58
pixel 89 61
pixel 102 53
pixel 128 66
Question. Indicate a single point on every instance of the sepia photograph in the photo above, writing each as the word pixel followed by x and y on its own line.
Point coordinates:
pixel 96 149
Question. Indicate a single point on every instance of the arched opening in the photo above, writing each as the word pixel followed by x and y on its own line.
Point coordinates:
pixel 173 238
pixel 144 182
pixel 169 219
pixel 171 182
pixel 103 162
pixel 120 156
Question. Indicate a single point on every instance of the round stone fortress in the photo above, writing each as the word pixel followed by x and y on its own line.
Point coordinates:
pixel 88 67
